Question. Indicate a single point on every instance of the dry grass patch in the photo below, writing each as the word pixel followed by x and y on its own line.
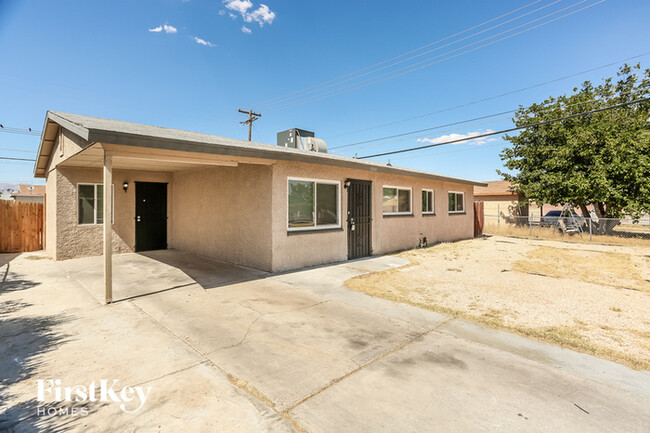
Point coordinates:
pixel 568 295
pixel 612 269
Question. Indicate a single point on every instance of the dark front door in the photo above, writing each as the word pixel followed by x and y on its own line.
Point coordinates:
pixel 359 218
pixel 150 216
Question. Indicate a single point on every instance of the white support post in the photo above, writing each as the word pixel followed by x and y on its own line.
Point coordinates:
pixel 108 218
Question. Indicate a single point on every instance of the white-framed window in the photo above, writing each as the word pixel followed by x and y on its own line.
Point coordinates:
pixel 90 203
pixel 427 201
pixel 313 204
pixel 396 200
pixel 456 202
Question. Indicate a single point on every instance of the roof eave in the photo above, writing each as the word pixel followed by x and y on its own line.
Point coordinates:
pixel 52 119
pixel 273 152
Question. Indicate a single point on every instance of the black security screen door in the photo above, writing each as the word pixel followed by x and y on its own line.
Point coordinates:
pixel 359 218
pixel 150 216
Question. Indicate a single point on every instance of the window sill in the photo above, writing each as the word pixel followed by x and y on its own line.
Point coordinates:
pixel 428 214
pixel 457 213
pixel 312 231
pixel 407 215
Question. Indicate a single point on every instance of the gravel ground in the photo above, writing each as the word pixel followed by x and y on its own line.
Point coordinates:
pixel 592 298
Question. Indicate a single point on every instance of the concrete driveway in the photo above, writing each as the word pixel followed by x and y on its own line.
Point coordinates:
pixel 234 349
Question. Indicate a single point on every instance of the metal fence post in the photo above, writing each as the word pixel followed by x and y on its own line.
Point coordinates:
pixel 498 218
pixel 589 229
pixel 530 228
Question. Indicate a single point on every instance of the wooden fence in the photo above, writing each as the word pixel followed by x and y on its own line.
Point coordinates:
pixel 21 226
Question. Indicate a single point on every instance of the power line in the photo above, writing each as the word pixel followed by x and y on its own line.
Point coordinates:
pixel 334 81
pixel 422 130
pixel 640 90
pixel 18 150
pixel 504 131
pixel 16 159
pixel 11 130
pixel 440 132
pixel 450 151
pixel 489 98
pixel 429 62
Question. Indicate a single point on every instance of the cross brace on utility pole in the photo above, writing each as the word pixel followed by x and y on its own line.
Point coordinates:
pixel 252 117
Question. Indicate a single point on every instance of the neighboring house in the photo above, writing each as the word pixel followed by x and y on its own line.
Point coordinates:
pixel 259 205
pixel 500 199
pixel 29 193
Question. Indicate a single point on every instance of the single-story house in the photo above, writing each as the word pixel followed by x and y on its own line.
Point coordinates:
pixel 499 198
pixel 264 206
pixel 29 193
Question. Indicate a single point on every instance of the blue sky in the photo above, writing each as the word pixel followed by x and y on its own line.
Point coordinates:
pixel 191 64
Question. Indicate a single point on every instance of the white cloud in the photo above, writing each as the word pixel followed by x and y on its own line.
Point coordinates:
pixel 233 16
pixel 222 12
pixel 262 15
pixel 464 138
pixel 245 29
pixel 166 28
pixel 202 42
pixel 241 6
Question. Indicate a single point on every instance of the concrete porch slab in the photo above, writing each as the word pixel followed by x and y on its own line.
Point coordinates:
pixel 141 274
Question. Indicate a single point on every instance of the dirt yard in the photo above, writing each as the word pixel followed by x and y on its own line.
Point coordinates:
pixel 588 297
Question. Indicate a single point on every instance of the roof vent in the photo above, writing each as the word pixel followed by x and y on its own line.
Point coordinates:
pixel 301 139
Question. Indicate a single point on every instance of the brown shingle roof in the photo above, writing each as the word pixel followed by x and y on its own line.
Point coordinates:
pixel 495 187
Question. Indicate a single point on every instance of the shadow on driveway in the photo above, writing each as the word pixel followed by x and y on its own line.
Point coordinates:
pixel 26 338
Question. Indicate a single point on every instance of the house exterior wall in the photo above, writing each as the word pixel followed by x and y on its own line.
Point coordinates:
pixel 505 207
pixel 225 213
pixel 66 145
pixel 67 239
pixel 239 214
pixel 298 249
pixel 50 214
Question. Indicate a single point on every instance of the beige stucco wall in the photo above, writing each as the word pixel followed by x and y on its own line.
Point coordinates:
pixel 239 214
pixel 74 240
pixel 65 146
pixel 224 213
pixel 50 214
pixel 389 234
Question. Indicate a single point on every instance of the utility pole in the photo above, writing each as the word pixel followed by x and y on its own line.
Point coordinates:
pixel 252 117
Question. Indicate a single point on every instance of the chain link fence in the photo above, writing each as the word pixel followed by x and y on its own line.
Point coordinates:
pixel 574 227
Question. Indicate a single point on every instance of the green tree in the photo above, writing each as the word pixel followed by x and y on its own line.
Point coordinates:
pixel 601 159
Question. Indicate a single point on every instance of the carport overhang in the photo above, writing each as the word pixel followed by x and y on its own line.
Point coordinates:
pixel 109 157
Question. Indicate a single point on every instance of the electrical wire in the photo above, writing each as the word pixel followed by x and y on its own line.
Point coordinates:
pixel 16 159
pixel 504 131
pixel 430 62
pixel 357 144
pixel 11 130
pixel 359 75
pixel 489 98
pixel 399 56
pixel 18 150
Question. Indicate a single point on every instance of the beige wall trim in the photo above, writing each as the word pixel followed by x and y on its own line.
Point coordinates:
pixel 150 157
